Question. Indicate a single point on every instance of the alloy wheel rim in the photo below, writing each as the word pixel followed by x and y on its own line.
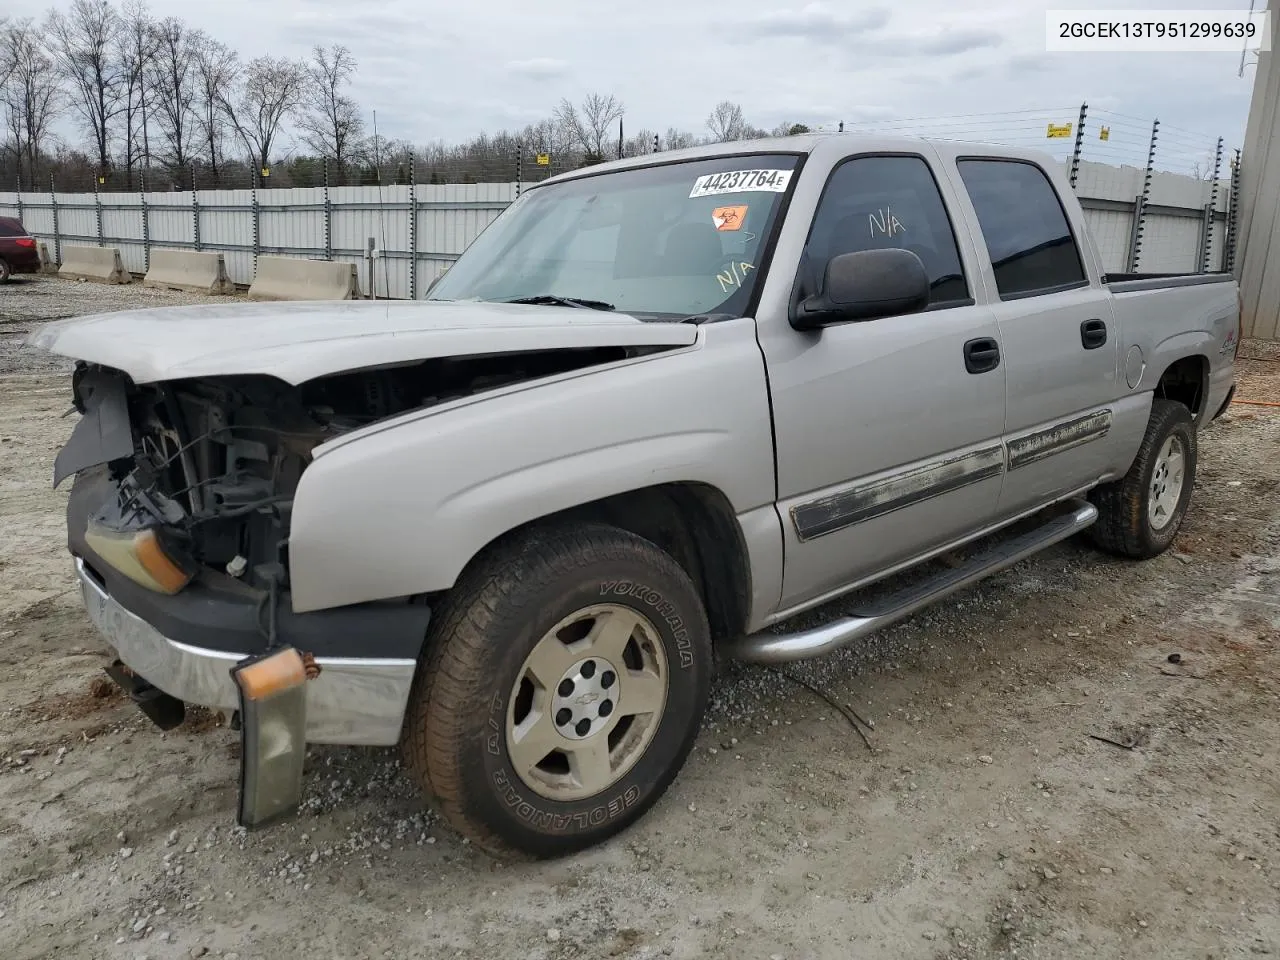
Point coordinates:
pixel 587 702
pixel 1167 480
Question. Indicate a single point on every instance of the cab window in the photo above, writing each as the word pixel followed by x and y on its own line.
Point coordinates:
pixel 871 203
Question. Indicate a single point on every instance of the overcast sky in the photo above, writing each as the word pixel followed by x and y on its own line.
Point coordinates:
pixel 439 70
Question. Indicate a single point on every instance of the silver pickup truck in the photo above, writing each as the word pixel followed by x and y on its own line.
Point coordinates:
pixel 658 408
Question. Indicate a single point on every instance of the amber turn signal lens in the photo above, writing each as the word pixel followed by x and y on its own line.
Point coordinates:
pixel 140 556
pixel 271 675
pixel 151 555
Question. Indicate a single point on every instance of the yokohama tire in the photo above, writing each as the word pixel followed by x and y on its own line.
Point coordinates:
pixel 458 729
pixel 1125 525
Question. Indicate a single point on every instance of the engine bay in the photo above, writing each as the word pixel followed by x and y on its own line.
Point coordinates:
pixel 215 461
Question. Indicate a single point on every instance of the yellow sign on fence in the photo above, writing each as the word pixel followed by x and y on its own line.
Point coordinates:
pixel 1058 130
pixel 544 159
pixel 1104 133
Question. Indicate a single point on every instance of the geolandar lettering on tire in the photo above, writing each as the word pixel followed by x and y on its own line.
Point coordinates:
pixel 544 820
pixel 664 608
pixel 493 740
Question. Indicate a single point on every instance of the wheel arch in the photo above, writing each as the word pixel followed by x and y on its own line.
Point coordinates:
pixel 1186 381
pixel 693 522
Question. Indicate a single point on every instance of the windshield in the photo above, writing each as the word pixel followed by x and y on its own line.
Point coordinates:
pixel 667 241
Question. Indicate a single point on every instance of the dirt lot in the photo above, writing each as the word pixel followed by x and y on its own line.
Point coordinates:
pixel 987 822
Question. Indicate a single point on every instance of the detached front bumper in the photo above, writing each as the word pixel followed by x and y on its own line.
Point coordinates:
pixel 354 700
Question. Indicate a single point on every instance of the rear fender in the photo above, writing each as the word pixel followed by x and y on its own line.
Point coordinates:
pixel 1167 352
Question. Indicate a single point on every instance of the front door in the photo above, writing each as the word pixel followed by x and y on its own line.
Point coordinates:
pixel 888 432
pixel 1060 343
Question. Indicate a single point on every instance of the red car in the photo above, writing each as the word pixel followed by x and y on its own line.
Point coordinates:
pixel 18 251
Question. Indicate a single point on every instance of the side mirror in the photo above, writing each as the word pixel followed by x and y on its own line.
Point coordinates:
pixel 863 286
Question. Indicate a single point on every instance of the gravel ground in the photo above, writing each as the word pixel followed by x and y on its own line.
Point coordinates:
pixel 986 821
pixel 1258 374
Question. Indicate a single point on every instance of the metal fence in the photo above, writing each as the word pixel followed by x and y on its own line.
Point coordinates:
pixel 416 231
pixel 1141 219
pixel 1157 222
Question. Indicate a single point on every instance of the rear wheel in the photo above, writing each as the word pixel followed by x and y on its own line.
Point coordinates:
pixel 566 677
pixel 5 270
pixel 1140 515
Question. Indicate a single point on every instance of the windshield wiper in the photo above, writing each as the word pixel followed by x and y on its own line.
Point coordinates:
pixel 552 300
pixel 700 318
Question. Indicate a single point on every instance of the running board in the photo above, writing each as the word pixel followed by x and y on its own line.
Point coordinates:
pixel 785 647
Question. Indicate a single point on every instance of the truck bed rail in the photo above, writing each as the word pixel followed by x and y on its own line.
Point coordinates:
pixel 1131 282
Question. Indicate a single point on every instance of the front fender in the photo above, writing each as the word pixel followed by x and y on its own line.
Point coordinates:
pixel 401 510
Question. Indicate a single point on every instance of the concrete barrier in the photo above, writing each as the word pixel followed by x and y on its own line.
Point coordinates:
pixel 189 270
pixel 47 266
pixel 99 264
pixel 287 278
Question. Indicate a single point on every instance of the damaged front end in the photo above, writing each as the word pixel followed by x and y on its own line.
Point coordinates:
pixel 194 480
pixel 204 470
pixel 201 475
pixel 179 520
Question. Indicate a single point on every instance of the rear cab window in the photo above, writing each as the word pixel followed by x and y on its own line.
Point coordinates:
pixel 883 201
pixel 1025 227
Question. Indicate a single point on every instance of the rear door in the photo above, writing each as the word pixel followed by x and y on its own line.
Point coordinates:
pixel 888 432
pixel 1056 329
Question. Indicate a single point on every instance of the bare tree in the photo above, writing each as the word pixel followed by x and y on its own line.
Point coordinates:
pixel 331 125
pixel 380 153
pixel 589 126
pixel 678 139
pixel 6 62
pixel 270 92
pixel 726 122
pixel 788 129
pixel 639 144
pixel 569 125
pixel 172 78
pixel 1202 168
pixel 545 136
pixel 31 95
pixel 600 113
pixel 84 41
pixel 138 44
pixel 216 67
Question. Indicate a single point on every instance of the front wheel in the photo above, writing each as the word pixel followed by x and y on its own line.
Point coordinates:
pixel 566 677
pixel 1140 515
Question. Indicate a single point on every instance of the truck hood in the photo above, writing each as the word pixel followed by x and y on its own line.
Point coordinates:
pixel 296 342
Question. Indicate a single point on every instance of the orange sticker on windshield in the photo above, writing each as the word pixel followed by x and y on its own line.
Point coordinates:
pixel 729 218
